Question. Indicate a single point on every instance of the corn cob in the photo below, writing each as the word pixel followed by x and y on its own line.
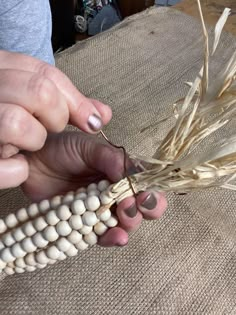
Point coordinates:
pixel 55 229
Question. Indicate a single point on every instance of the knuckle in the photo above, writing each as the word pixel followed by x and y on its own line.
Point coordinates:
pixel 50 99
pixel 47 70
pixel 14 123
pixel 43 88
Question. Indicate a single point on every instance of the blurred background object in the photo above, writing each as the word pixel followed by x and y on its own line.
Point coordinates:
pixel 75 20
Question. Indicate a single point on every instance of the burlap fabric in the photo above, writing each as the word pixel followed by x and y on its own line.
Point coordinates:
pixel 184 263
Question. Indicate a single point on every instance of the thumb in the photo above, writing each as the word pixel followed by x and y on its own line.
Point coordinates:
pixel 13 171
pixel 104 158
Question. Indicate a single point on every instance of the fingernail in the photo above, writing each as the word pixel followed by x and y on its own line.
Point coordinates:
pixel 150 202
pixel 95 122
pixel 131 211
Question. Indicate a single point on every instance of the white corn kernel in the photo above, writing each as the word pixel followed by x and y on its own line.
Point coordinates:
pixel 75 222
pixel 103 185
pixel 89 218
pixel 39 241
pixel 19 270
pixel 8 239
pixel 44 206
pixel 91 238
pixel 33 210
pixel 11 264
pixel 40 266
pixel 17 251
pixel 78 207
pixel 74 237
pixel 81 245
pixel 81 196
pixel 53 261
pixel 2 264
pixel 63 228
pixel 9 271
pixel 28 229
pixel 30 268
pixel 40 224
pixel 50 234
pixel 3 226
pixel 72 251
pixel 55 202
pixel 41 257
pixel 105 199
pixel 30 259
pixel 95 192
pixel 68 198
pixel 18 234
pixel 105 215
pixel 22 215
pixel 51 217
pixel 100 228
pixel 20 262
pixel 53 252
pixel 11 220
pixel 6 255
pixel 81 190
pixel 92 186
pixel 63 212
pixel 62 256
pixel 92 203
pixel 112 222
pixel 86 229
pixel 27 245
pixel 63 244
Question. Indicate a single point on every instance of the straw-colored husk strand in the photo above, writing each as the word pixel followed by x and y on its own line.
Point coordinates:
pixel 55 229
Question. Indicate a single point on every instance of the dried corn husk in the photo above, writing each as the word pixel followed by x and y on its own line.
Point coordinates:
pixel 207 107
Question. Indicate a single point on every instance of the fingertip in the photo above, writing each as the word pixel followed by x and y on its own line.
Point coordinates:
pixel 90 115
pixel 114 237
pixel 129 216
pixel 104 110
pixel 151 204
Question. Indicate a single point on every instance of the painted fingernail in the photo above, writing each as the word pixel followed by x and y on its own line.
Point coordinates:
pixel 131 211
pixel 95 122
pixel 150 202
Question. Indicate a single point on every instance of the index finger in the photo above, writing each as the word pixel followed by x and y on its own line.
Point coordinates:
pixel 83 113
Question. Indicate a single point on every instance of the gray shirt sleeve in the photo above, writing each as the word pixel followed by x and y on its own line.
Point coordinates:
pixel 26 27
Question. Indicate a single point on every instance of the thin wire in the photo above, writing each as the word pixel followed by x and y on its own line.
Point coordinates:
pixel 125 160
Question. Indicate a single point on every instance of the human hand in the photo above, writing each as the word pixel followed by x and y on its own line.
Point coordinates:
pixel 71 160
pixel 36 98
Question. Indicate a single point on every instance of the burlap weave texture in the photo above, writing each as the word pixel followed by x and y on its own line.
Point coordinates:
pixel 184 263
